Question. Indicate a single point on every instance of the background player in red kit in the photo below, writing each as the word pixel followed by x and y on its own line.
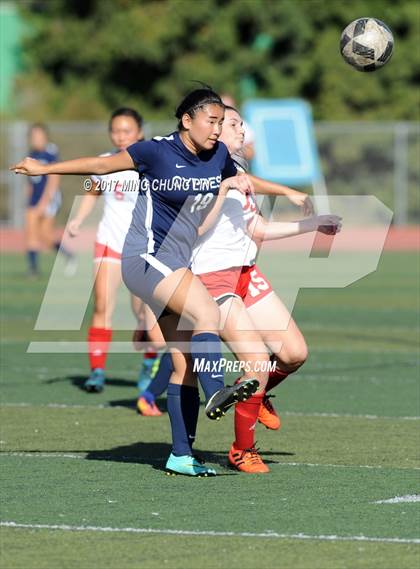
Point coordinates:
pixel 119 191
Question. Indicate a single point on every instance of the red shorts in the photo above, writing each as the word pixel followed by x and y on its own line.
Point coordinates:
pixel 104 252
pixel 228 282
pixel 259 287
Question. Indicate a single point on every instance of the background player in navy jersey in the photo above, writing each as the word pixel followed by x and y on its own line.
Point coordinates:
pixel 180 176
pixel 44 200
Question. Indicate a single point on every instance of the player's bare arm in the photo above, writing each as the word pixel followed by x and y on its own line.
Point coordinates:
pixel 85 209
pixel 241 183
pixel 91 165
pixel 262 230
pixel 300 199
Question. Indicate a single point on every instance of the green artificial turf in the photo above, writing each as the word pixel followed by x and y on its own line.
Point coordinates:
pixel 349 439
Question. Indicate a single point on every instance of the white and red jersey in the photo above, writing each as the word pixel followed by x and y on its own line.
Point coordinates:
pixel 120 191
pixel 224 257
pixel 227 243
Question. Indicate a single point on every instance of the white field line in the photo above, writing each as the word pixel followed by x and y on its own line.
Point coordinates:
pixel 400 499
pixel 40 454
pixel 64 405
pixel 285 413
pixel 210 533
pixel 349 415
pixel 131 458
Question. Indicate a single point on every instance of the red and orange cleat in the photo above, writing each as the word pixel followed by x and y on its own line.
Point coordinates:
pixel 147 409
pixel 267 414
pixel 247 460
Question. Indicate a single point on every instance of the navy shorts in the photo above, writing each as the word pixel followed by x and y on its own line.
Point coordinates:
pixel 142 273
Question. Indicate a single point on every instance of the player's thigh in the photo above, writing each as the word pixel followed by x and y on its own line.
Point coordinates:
pixel 239 332
pixel 184 294
pixel 178 343
pixel 278 329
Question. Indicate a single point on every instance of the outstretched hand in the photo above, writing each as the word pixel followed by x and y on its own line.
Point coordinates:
pixel 302 200
pixel 29 167
pixel 241 182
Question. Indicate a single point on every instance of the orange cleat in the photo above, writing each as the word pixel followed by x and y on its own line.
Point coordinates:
pixel 247 460
pixel 147 409
pixel 267 414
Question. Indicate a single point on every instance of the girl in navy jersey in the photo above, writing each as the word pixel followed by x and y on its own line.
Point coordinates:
pixel 44 200
pixel 180 176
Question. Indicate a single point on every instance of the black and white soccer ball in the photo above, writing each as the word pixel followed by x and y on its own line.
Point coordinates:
pixel 367 44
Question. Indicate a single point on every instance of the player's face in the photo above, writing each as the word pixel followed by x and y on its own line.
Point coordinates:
pixel 233 131
pixel 124 131
pixel 38 139
pixel 206 126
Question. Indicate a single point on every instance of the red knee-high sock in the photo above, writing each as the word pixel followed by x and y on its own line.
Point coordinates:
pixel 246 416
pixel 98 341
pixel 275 377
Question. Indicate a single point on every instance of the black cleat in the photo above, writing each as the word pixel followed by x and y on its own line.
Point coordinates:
pixel 223 399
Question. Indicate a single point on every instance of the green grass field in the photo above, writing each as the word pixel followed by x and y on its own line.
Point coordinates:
pixel 82 477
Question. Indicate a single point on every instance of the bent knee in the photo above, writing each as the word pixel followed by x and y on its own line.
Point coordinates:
pixel 293 357
pixel 157 345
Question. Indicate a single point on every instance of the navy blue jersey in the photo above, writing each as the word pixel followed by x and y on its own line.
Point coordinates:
pixel 38 183
pixel 177 189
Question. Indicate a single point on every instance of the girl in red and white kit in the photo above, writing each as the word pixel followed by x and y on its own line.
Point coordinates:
pixel 119 191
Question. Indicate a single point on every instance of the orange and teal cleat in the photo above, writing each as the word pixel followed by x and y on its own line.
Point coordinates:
pixel 147 409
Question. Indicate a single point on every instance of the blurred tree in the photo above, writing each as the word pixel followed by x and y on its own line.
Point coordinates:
pixel 85 57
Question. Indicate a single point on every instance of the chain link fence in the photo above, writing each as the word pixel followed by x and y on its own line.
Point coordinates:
pixel 365 158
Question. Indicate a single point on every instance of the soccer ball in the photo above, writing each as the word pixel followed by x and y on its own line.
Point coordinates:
pixel 367 44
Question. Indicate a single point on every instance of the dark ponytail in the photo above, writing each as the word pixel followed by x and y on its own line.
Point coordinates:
pixel 196 100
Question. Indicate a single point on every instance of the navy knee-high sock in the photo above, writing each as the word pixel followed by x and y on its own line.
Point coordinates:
pixel 33 260
pixel 207 355
pixel 160 382
pixel 190 405
pixel 180 440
